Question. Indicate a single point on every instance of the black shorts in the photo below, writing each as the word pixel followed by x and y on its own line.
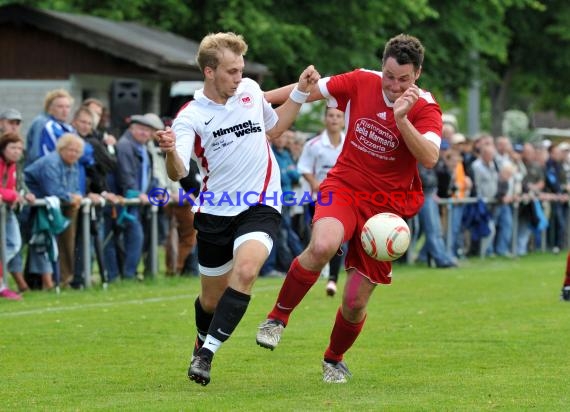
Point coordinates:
pixel 216 234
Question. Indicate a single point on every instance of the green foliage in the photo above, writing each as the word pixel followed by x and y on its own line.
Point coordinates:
pixel 517 49
pixel 490 335
pixel 311 117
pixel 516 125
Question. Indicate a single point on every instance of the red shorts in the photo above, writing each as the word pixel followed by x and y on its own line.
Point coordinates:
pixel 353 215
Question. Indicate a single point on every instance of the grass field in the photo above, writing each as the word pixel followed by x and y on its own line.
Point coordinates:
pixel 490 335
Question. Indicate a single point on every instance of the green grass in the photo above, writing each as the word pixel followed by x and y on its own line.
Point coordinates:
pixel 491 335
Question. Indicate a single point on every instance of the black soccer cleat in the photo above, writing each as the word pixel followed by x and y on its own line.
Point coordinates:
pixel 199 370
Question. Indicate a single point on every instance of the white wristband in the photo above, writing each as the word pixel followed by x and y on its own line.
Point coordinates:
pixel 298 96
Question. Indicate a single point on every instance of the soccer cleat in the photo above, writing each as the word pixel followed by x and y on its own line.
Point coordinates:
pixel 331 288
pixel 199 370
pixel 197 345
pixel 335 372
pixel 565 295
pixel 9 294
pixel 269 333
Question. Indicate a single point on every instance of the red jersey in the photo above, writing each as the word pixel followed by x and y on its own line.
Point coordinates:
pixel 375 160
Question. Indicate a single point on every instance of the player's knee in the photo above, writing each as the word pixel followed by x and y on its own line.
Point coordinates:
pixel 209 302
pixel 354 311
pixel 323 249
pixel 246 271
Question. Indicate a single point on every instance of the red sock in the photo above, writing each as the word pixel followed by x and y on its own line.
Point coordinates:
pixel 297 283
pixel 567 278
pixel 343 335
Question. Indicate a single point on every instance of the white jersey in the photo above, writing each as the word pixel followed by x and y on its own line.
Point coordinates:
pixel 228 141
pixel 319 156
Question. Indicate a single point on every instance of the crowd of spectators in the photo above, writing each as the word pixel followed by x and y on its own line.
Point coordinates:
pixel 70 157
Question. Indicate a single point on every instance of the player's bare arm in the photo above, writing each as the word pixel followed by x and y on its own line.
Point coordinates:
pixel 167 143
pixel 312 180
pixel 288 111
pixel 280 95
pixel 425 151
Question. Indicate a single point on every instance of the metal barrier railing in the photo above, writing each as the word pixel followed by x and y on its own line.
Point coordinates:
pixel 85 215
pixel 87 204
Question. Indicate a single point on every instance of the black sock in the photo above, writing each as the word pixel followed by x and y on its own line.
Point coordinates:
pixel 203 319
pixel 334 267
pixel 230 310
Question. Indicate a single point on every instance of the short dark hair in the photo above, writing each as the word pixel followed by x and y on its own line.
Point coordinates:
pixel 8 138
pixel 405 49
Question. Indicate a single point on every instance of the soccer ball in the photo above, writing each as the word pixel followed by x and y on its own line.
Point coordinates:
pixel 385 236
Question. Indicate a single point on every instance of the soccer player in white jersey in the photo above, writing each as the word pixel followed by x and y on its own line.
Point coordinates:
pixel 391 126
pixel 318 157
pixel 225 128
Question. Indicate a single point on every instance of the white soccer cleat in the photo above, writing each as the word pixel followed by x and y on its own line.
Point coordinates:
pixel 335 373
pixel 269 333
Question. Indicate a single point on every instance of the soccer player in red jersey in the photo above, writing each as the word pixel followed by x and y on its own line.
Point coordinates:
pixel 392 125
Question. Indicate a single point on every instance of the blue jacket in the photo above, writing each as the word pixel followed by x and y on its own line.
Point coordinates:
pixel 476 218
pixel 50 176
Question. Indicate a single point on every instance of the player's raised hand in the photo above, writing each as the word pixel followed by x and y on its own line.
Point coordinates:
pixel 308 79
pixel 166 140
pixel 406 101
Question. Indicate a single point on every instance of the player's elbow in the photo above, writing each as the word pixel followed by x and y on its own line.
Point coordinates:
pixel 174 175
pixel 429 157
pixel 429 162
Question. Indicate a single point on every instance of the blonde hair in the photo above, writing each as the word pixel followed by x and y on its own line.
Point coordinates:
pixel 67 139
pixel 214 43
pixel 55 94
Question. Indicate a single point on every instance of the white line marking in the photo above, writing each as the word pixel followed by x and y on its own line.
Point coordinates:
pixel 98 305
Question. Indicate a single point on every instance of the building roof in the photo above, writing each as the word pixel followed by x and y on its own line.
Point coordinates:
pixel 157 50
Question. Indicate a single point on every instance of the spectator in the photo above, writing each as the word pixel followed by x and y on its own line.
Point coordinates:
pixel 454 183
pixel 10 121
pixel 99 112
pixel 56 174
pixel 532 185
pixel 131 180
pixel 54 103
pixel 58 110
pixel 93 182
pixel 181 238
pixel 486 178
pixel 504 147
pixel 433 249
pixel 11 149
pixel 159 180
pixel 503 212
pixel 555 185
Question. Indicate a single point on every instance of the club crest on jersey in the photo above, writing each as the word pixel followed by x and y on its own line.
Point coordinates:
pixel 246 100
